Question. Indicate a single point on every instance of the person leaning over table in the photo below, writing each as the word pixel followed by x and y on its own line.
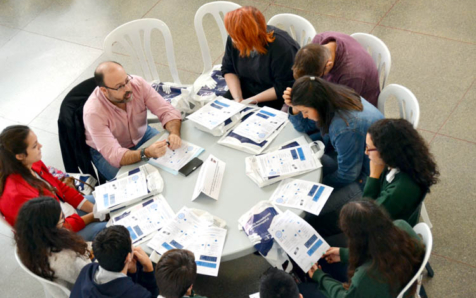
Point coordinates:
pixel 275 283
pixel 383 256
pixel 344 116
pixel 258 58
pixel 45 246
pixel 115 120
pixel 23 177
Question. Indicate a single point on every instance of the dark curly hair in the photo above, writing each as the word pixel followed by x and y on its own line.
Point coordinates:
pixel 401 146
pixel 394 255
pixel 37 234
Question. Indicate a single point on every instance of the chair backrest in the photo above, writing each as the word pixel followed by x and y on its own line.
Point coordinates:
pixel 138 46
pixel 379 52
pixel 407 102
pixel 51 289
pixel 215 9
pixel 427 238
pixel 297 27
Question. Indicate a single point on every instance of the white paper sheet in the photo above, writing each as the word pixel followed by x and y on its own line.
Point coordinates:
pixel 208 248
pixel 285 161
pixel 173 160
pixel 301 194
pixel 144 218
pixel 210 178
pixel 216 112
pixel 259 126
pixel 300 241
pixel 255 295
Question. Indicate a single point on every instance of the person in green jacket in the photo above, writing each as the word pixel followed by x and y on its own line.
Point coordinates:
pixel 383 256
pixel 175 274
pixel 402 169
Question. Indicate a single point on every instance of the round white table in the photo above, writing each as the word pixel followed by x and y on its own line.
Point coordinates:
pixel 238 192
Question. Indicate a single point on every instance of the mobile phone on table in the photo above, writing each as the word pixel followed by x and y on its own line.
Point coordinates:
pixel 191 166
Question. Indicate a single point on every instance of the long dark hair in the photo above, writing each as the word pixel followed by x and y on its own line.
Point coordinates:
pixel 326 98
pixel 13 142
pixel 401 146
pixel 37 235
pixel 372 236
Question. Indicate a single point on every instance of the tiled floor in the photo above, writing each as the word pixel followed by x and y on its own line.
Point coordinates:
pixel 49 46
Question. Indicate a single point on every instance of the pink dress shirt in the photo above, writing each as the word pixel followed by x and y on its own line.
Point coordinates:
pixel 111 130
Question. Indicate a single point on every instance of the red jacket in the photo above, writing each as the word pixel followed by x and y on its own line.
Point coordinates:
pixel 17 191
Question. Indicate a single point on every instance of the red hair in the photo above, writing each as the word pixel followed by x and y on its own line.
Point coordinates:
pixel 247 27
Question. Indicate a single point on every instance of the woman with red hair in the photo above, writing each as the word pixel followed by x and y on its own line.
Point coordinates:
pixel 258 58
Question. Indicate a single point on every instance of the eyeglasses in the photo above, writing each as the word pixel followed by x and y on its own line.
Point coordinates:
pixel 370 149
pixel 122 86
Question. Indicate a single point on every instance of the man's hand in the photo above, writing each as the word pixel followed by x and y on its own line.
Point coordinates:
pixel 143 258
pixel 376 169
pixel 175 141
pixel 332 255
pixel 313 269
pixel 157 149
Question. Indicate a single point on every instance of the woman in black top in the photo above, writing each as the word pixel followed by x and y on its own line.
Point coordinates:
pixel 258 59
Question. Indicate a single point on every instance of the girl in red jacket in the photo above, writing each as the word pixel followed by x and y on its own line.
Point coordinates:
pixel 23 176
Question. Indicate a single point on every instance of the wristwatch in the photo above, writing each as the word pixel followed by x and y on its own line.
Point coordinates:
pixel 143 157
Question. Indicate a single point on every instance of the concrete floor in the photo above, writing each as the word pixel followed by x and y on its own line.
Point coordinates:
pixel 48 46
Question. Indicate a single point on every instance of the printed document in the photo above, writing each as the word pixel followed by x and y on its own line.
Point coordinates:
pixel 300 241
pixel 208 248
pixel 210 178
pixel 145 218
pixel 285 162
pixel 173 160
pixel 259 126
pixel 301 194
pixel 216 112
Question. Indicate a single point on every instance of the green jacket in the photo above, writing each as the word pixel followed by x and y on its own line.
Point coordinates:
pixel 400 198
pixel 363 285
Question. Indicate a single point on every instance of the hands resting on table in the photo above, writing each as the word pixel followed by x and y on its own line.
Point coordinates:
pixel 159 148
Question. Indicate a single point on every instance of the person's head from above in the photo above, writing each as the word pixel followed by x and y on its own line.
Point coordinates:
pixel 114 82
pixel 395 143
pixel 394 255
pixel 312 60
pixel 112 248
pixel 39 230
pixel 175 273
pixel 247 29
pixel 320 100
pixel 276 283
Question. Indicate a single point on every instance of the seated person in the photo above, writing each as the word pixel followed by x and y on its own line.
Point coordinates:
pixel 278 284
pixel 121 271
pixel 344 116
pixel 45 247
pixel 115 120
pixel 382 256
pixel 23 177
pixel 402 168
pixel 175 274
pixel 258 58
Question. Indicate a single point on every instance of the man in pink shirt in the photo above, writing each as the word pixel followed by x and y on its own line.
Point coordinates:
pixel 115 120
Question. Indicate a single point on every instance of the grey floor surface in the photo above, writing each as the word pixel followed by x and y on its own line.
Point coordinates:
pixel 49 46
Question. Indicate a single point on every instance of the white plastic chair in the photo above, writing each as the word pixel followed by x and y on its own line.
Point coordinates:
pixel 215 9
pixel 425 232
pixel 297 27
pixel 379 52
pixel 129 36
pixel 51 289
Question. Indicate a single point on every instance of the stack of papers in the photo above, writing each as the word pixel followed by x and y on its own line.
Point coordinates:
pixel 298 239
pixel 305 195
pixel 216 112
pixel 145 218
pixel 174 160
pixel 188 231
pixel 261 125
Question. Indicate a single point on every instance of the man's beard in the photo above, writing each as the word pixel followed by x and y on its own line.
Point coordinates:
pixel 125 99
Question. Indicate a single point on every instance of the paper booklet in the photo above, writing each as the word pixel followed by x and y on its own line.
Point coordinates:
pixel 305 195
pixel 144 219
pixel 131 187
pixel 216 112
pixel 300 241
pixel 189 231
pixel 210 178
pixel 174 160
